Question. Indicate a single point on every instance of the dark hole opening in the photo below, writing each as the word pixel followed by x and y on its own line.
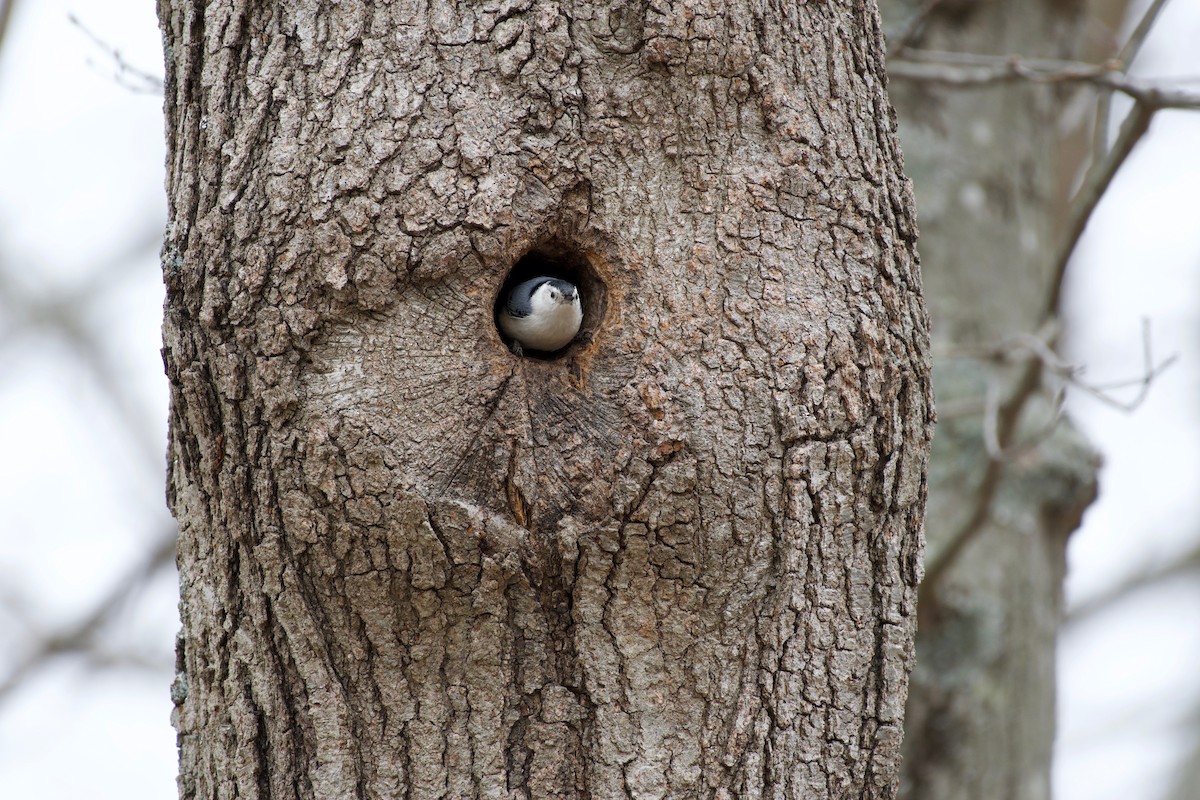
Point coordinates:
pixel 555 260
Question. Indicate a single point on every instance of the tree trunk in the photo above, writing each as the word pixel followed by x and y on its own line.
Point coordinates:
pixel 988 168
pixel 679 559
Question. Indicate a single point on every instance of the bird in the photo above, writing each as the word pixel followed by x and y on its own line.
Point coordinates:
pixel 541 314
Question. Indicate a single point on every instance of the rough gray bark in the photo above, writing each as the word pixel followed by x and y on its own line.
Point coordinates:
pixel 988 170
pixel 678 561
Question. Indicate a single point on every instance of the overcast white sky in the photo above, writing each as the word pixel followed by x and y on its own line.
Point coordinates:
pixel 81 500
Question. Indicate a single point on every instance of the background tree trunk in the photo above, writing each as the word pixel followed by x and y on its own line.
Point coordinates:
pixel 991 167
pixel 681 559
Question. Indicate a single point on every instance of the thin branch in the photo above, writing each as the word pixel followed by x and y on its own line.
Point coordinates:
pixel 1187 564
pixel 1150 372
pixel 6 9
pixel 1187 770
pixel 143 659
pixel 1136 39
pixel 1005 351
pixel 1095 183
pixel 64 315
pixel 1156 97
pixel 1100 134
pixel 1000 67
pixel 1006 419
pixel 970 70
pixel 78 636
pixel 1000 426
pixel 1012 451
pixel 1124 61
pixel 1038 346
pixel 147 82
pixel 991 422
pixel 1103 107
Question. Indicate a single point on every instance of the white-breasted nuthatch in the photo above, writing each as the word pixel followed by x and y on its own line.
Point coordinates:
pixel 541 314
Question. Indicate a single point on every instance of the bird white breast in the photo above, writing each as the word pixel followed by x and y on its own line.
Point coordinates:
pixel 550 327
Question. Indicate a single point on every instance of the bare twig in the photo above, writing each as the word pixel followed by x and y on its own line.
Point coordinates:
pixel 1186 564
pixel 965 70
pixel 991 426
pixel 1150 371
pixel 1072 375
pixel 1038 346
pixel 78 637
pixel 991 422
pixel 1187 774
pixel 1095 184
pixel 1124 60
pixel 1136 39
pixel 1006 351
pixel 63 315
pixel 1006 417
pixel 6 9
pixel 143 81
pixel 971 70
pixel 1000 422
pixel 1100 134
pixel 146 659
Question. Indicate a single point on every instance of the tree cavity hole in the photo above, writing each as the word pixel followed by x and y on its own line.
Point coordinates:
pixel 558 260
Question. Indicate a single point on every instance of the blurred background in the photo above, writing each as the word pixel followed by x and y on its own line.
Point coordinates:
pixel 87 581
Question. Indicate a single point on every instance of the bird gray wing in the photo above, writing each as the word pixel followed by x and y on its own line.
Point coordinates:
pixel 517 304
